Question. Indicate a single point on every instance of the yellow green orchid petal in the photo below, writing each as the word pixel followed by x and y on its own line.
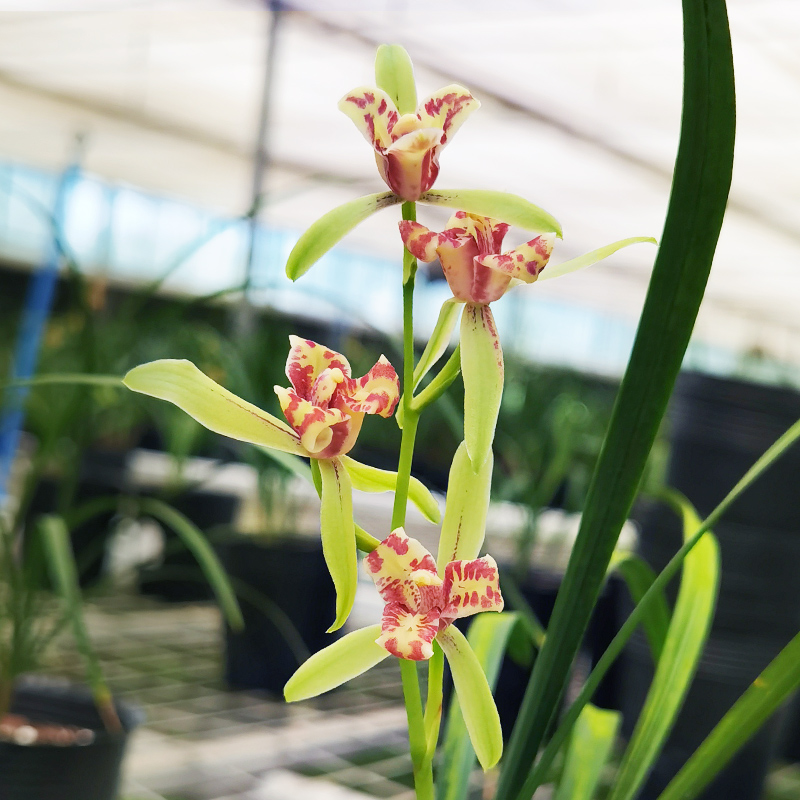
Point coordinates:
pixel 447 109
pixel 523 263
pixel 440 338
pixel 474 697
pixel 510 208
pixel 373 112
pixel 482 371
pixel 339 536
pixel 330 228
pixel 336 664
pixel 471 587
pixel 372 479
pixel 464 524
pixel 586 260
pixel 394 74
pixel 183 384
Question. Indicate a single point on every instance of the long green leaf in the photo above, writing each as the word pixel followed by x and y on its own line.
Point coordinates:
pixel 330 228
pixel 488 636
pixel 499 205
pixel 538 774
pixel 197 544
pixel 64 574
pixel 338 535
pixel 688 631
pixel 589 750
pixel 764 696
pixel 639 577
pixel 696 208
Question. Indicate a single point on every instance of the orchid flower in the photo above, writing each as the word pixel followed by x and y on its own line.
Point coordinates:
pixel 407 146
pixel 478 273
pixel 324 407
pixel 421 605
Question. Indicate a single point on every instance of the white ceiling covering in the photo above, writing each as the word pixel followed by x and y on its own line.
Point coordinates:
pixel 581 110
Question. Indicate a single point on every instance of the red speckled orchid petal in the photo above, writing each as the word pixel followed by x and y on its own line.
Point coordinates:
pixel 471 587
pixel 420 241
pixel 404 572
pixel 447 109
pixel 525 262
pixel 376 393
pixel 410 165
pixel 307 361
pixel 315 425
pixel 373 113
pixel 406 634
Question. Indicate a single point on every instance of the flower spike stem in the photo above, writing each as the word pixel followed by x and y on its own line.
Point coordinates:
pixel 422 763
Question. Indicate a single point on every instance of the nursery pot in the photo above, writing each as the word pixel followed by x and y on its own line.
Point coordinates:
pixel 282 580
pixel 64 772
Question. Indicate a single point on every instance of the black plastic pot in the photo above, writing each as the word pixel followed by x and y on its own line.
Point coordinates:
pixel 288 573
pixel 74 772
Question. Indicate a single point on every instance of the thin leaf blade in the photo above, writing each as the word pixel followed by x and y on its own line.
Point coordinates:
pixel 197 544
pixel 696 209
pixel 589 750
pixel 779 680
pixel 688 631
